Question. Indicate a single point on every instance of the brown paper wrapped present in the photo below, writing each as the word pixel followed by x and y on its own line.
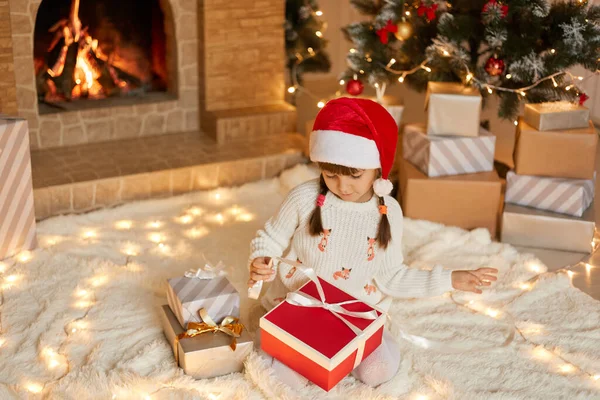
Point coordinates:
pixel 206 355
pixel 529 227
pixel 468 201
pixel 17 213
pixel 556 116
pixel 562 154
pixel 452 109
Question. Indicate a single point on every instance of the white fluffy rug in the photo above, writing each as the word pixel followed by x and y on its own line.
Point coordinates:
pixel 79 318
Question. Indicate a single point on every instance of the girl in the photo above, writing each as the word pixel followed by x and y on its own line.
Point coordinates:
pixel 347 227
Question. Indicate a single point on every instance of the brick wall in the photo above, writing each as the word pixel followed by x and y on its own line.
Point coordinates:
pixel 8 90
pixel 242 55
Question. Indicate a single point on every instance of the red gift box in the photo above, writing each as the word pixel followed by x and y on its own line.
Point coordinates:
pixel 318 340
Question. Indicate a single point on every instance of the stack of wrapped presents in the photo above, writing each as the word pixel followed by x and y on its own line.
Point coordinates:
pixel 202 324
pixel 447 168
pixel 550 192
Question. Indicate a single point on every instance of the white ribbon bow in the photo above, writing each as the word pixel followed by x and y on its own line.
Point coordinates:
pixel 306 300
pixel 207 272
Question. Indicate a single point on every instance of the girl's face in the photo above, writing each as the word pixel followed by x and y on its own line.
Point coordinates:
pixel 357 187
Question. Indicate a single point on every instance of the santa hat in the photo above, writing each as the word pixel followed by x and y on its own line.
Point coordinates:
pixel 356 133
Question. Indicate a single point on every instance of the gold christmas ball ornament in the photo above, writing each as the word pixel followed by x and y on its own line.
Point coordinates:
pixel 405 30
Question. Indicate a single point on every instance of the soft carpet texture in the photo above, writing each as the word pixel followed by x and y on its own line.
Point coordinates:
pixel 80 321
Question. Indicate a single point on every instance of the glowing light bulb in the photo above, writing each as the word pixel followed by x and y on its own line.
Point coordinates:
pixel 535 268
pixel 522 93
pixel 124 225
pixel 24 256
pixel 319 34
pixel 3 267
pixel 426 68
pixel 567 368
pixel 154 224
pixel 342 81
pixel 155 237
pixel 570 273
pixel 525 286
pixel 588 267
pixel 73 330
pixel 596 377
pixel 445 52
pixel 568 88
pixel 489 89
pixel 319 13
pixel 186 219
pixel 12 278
pixel 541 353
pixel 195 211
pixel 552 51
pixel 469 77
pixel 2 341
pixel 471 302
pixel 321 104
pixel 53 364
pixel 291 89
pixel 554 82
pixel 34 387
pixel 407 13
pixel 89 234
pixel 492 313
pixel 82 293
pixel 217 196
pixel 220 217
pixel 391 62
pixel 401 79
pixel 99 280
pixel 516 122
pixel 352 51
pixel 508 76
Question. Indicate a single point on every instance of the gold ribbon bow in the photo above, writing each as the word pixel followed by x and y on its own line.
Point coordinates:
pixel 229 326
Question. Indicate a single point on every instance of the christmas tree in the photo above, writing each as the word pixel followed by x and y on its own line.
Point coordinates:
pixel 304 41
pixel 518 50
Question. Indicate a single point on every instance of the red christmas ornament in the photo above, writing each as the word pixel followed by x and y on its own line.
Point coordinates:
pixel 383 32
pixel 583 98
pixel 354 87
pixel 494 3
pixel 428 11
pixel 494 66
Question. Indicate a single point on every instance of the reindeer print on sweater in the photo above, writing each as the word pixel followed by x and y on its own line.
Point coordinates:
pixel 343 274
pixel 370 288
pixel 292 270
pixel 324 239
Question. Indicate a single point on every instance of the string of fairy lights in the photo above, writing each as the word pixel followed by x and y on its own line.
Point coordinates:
pixel 56 359
pixel 468 78
pixel 84 295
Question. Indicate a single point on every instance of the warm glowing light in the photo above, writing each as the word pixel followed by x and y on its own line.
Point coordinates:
pixel 73 330
pixel 525 286
pixel 319 34
pixel 12 278
pixel 588 267
pixel 53 364
pixel 319 13
pixel 99 280
pixel 124 225
pixel 422 397
pixel 535 268
pixel 89 234
pixel 489 89
pixel 154 224
pixel 83 304
pixel 469 77
pixel 516 122
pixel 155 237
pixel 426 68
pixel 570 273
pixel 567 368
pixel 352 51
pixel 186 219
pixel 492 313
pixel 471 302
pixel 541 353
pixel 195 211
pixel 596 377
pixel 195 233
pixel 407 13
pixel 445 52
pixel 508 76
pixel 291 89
pixel 321 104
pixel 82 293
pixel 34 387
pixel 392 62
pixel 554 82
pixel 552 51
pixel 2 341
pixel 3 267
pixel 130 250
pixel 522 93
pixel 217 196
pixel 568 87
pixel 24 256
pixel 401 79
pixel 342 81
pixel 246 217
pixel 219 217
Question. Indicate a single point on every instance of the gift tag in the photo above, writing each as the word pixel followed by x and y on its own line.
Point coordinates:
pixel 254 291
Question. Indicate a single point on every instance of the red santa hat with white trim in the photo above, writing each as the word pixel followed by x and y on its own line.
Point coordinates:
pixel 356 133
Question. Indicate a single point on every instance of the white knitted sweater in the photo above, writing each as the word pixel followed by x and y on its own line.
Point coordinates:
pixel 344 254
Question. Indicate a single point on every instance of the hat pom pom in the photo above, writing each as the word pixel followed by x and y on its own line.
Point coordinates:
pixel 382 187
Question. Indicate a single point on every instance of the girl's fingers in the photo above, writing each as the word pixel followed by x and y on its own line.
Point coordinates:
pixel 487 270
pixel 258 277
pixel 489 277
pixel 262 271
pixel 485 283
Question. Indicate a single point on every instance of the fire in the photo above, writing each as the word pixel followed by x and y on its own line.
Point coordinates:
pixel 81 69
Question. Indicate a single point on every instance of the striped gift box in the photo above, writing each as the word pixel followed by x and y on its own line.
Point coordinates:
pixel 188 295
pixel 561 195
pixel 448 155
pixel 17 215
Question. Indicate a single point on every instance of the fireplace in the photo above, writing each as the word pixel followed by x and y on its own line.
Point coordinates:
pixel 89 50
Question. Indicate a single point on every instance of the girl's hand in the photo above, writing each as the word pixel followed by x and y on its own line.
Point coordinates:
pixel 261 269
pixel 469 280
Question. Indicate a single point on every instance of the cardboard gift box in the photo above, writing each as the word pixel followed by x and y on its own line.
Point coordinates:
pixel 17 212
pixel 448 155
pixel 187 295
pixel 529 227
pixel 556 115
pixel 468 201
pixel 206 355
pixel 562 154
pixel 452 109
pixel 561 195
pixel 320 343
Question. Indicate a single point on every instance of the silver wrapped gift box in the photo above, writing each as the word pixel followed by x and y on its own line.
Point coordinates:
pixel 529 227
